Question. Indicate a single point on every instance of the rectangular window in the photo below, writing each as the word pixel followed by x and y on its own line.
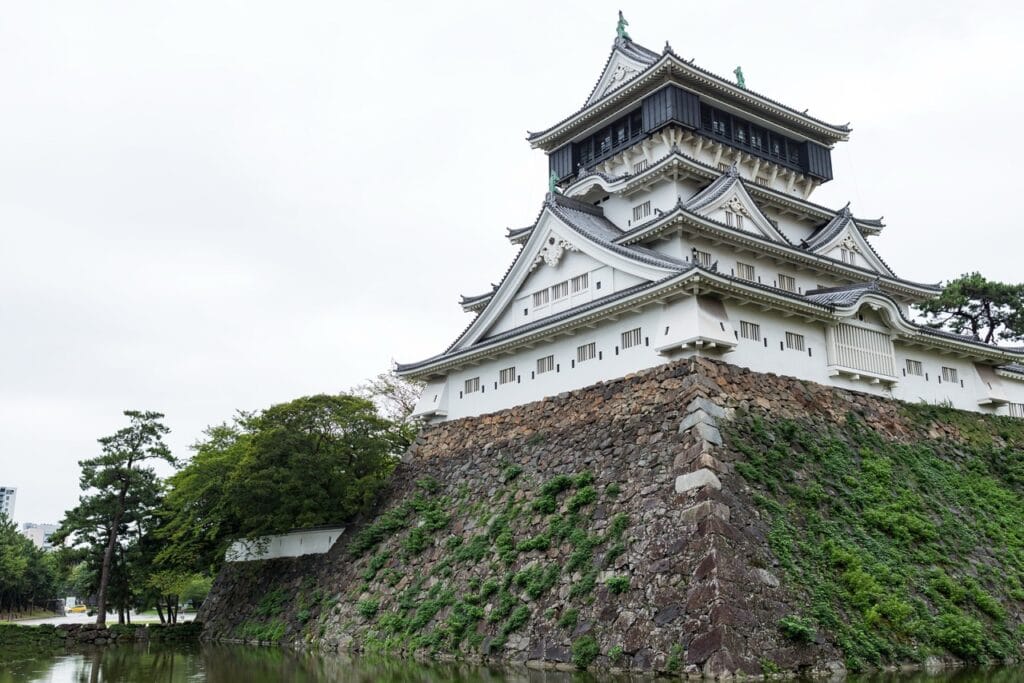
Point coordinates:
pixel 1017 410
pixel 949 374
pixel 914 367
pixel 745 271
pixel 794 341
pixel 541 298
pixel 586 352
pixel 640 167
pixel 849 256
pixel 507 375
pixel 580 283
pixel 472 385
pixel 560 291
pixel 641 211
pixel 761 180
pixel 739 221
pixel 787 283
pixel 631 338
pixel 702 258
pixel 750 330
pixel 545 364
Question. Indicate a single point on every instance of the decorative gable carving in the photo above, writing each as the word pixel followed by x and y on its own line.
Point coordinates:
pixel 621 74
pixel 736 206
pixel 551 252
pixel 620 70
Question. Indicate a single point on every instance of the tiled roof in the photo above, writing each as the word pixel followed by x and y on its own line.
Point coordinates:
pixel 841 296
pixel 523 329
pixel 720 80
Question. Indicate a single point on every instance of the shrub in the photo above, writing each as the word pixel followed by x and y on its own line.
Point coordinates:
pixel 615 654
pixel 367 608
pixel 584 651
pixel 585 496
pixel 961 635
pixel 612 490
pixel 569 618
pixel 797 629
pixel 511 472
pixel 618 584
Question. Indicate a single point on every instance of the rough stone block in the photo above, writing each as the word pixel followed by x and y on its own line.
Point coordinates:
pixel 714 464
pixel 707 508
pixel 765 577
pixel 708 406
pixel 695 418
pixel 708 433
pixel 694 480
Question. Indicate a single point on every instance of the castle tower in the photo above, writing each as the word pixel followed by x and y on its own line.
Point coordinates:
pixel 679 223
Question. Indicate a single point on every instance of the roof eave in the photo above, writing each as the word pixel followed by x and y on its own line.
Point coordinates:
pixel 671 65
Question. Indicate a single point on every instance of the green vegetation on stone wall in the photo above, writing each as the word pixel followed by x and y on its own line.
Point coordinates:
pixel 904 549
pixel 513 579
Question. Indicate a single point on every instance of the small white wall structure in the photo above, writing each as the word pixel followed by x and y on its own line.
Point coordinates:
pixel 293 544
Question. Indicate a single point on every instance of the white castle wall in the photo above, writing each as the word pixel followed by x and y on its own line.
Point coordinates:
pixel 295 544
pixel 764 356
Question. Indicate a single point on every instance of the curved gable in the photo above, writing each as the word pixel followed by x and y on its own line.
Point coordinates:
pixel 552 238
pixel 727 201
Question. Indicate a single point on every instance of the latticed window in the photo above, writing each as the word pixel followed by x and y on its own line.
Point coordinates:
pixel 750 330
pixel 580 283
pixel 631 338
pixel 507 375
pixel 745 271
pixel 541 298
pixel 859 348
pixel 702 258
pixel 794 341
pixel 914 367
pixel 640 167
pixel 787 283
pixel 545 364
pixel 1017 410
pixel 641 211
pixel 949 375
pixel 560 291
pixel 472 385
pixel 586 352
pixel 849 256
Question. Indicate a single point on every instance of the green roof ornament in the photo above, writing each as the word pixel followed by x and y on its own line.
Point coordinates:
pixel 740 81
pixel 553 183
pixel 620 29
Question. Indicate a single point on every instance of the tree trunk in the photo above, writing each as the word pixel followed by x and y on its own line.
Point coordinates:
pixel 108 555
pixel 120 614
pixel 160 611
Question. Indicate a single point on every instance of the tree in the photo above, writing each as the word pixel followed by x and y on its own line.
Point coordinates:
pixel 394 396
pixel 27 574
pixel 315 460
pixel 124 495
pixel 986 310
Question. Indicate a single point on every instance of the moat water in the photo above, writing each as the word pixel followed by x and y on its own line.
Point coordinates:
pixel 244 664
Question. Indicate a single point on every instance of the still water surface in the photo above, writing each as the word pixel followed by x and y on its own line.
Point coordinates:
pixel 243 664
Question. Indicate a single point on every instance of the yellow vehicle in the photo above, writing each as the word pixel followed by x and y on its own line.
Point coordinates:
pixel 77 609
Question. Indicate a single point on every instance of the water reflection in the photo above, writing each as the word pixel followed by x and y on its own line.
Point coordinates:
pixel 232 663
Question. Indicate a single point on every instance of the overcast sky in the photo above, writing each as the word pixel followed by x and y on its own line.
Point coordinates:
pixel 210 206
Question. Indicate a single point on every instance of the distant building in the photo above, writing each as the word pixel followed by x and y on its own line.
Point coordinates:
pixel 39 534
pixel 7 494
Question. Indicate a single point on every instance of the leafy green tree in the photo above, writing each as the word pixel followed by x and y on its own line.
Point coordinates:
pixel 986 310
pixel 28 577
pixel 315 460
pixel 122 492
